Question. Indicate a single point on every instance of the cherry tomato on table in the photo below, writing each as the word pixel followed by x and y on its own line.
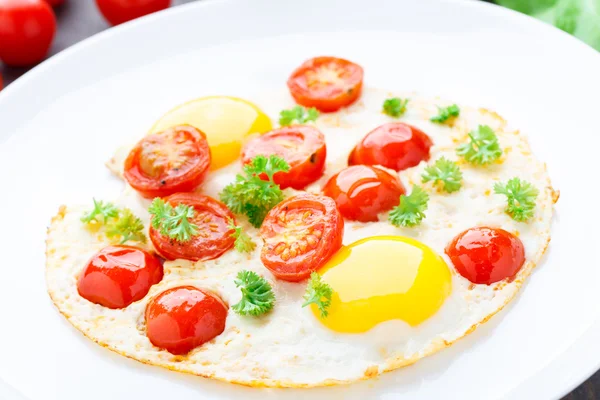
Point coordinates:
pixel 183 318
pixel 214 238
pixel 118 11
pixel 301 233
pixel 362 192
pixel 326 83
pixel 394 145
pixel 486 255
pixel 175 160
pixel 119 275
pixel 303 147
pixel 27 28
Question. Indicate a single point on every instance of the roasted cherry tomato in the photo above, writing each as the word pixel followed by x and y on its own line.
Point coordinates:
pixel 303 147
pixel 300 235
pixel 362 192
pixel 172 161
pixel 326 83
pixel 54 3
pixel 27 28
pixel 394 145
pixel 118 11
pixel 486 255
pixel 214 237
pixel 119 275
pixel 183 318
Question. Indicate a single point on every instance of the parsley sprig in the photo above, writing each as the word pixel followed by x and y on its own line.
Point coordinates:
pixel 445 173
pixel 521 196
pixel 298 115
pixel 257 294
pixel 411 210
pixel 243 242
pixel 121 224
pixel 482 148
pixel 318 293
pixel 395 106
pixel 445 113
pixel 174 222
pixel 252 196
pixel 101 213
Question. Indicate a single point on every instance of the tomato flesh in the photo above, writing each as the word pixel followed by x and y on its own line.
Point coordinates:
pixel 394 145
pixel 27 29
pixel 486 255
pixel 175 160
pixel 214 238
pixel 303 147
pixel 301 233
pixel 326 83
pixel 183 318
pixel 119 11
pixel 361 192
pixel 119 275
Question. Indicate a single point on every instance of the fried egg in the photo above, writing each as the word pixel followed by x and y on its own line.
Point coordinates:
pixel 397 297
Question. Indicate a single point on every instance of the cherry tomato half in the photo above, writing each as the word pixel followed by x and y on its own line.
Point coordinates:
pixel 118 11
pixel 119 275
pixel 214 238
pixel 300 235
pixel 303 147
pixel 175 160
pixel 27 28
pixel 362 192
pixel 486 255
pixel 326 83
pixel 183 318
pixel 394 145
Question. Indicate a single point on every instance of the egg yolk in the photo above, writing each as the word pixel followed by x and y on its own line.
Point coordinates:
pixel 384 278
pixel 226 121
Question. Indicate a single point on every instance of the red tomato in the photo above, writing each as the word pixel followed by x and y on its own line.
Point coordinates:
pixel 1 82
pixel 486 255
pixel 394 145
pixel 303 147
pixel 212 221
pixel 175 160
pixel 183 318
pixel 119 275
pixel 27 28
pixel 326 83
pixel 362 192
pixel 300 235
pixel 118 11
pixel 55 2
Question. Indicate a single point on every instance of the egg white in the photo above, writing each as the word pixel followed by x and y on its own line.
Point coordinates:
pixel 289 347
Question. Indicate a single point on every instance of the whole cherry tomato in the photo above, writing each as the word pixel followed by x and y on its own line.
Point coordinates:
pixel 27 28
pixel 118 11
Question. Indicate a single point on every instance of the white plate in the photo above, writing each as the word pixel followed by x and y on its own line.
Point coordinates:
pixel 61 121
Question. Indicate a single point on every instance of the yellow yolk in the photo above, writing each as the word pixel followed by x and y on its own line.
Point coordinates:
pixel 384 278
pixel 226 122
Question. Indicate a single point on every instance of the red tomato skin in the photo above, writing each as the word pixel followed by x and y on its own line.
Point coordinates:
pixel 199 247
pixel 331 98
pixel 327 229
pixel 307 160
pixel 27 28
pixel 486 255
pixel 117 276
pixel 361 192
pixel 183 318
pixel 151 187
pixel 55 3
pixel 394 145
pixel 119 11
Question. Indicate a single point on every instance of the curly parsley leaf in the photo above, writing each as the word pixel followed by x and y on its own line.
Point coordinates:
pixel 444 172
pixel 482 148
pixel 445 113
pixel 411 210
pixel 243 243
pixel 174 222
pixel 521 196
pixel 257 294
pixel 298 115
pixel 318 293
pixel 126 227
pixel 102 212
pixel 395 106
